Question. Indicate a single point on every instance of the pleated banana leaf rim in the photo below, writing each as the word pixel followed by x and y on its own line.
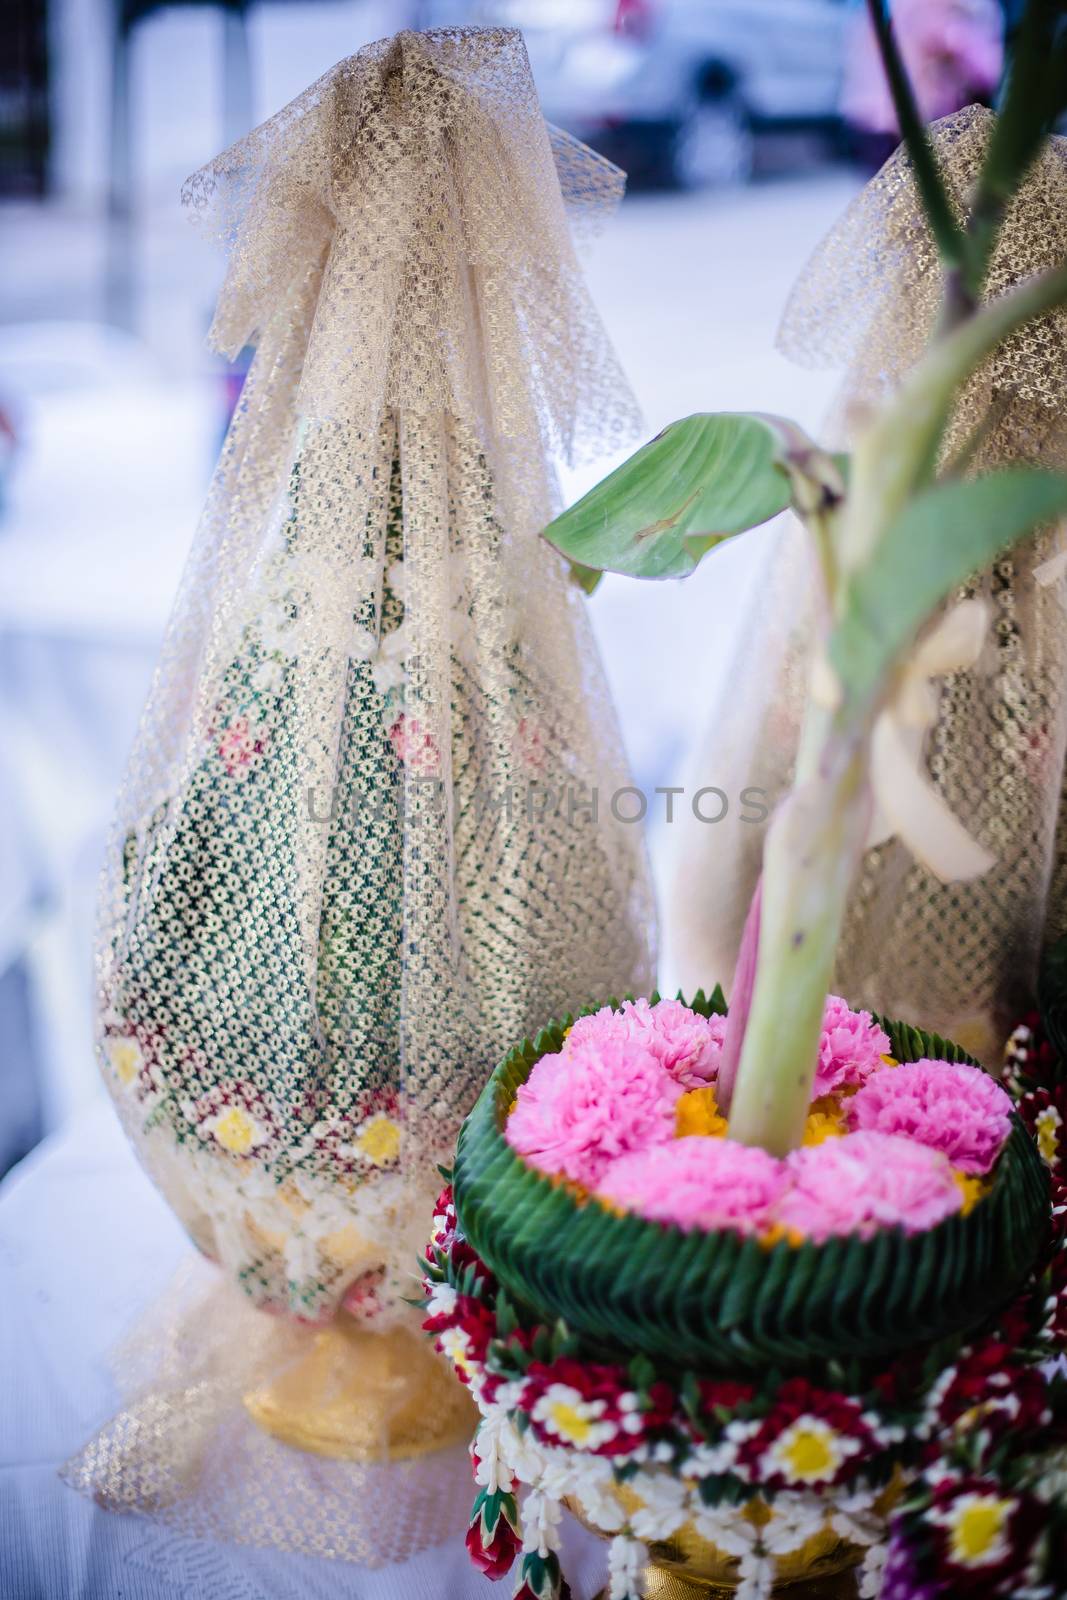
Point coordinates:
pixel 719 1301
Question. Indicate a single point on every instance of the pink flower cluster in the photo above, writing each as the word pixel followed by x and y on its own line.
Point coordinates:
pixel 865 1182
pixel 587 1105
pixel 857 1184
pixel 686 1044
pixel 945 1105
pixel 698 1183
pixel 613 1088
pixel 602 1113
pixel 851 1048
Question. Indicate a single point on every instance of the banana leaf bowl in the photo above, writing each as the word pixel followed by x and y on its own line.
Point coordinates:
pixel 721 1301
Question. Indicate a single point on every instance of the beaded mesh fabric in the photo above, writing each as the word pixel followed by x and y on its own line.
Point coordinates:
pixel 960 958
pixel 359 850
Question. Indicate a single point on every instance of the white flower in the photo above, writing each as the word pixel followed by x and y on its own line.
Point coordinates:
pixel 523 1455
pixel 725 1528
pixel 976 1524
pixel 808 1451
pixel 278 632
pixel 855 1517
pixel 664 1505
pixel 563 1411
pixel 881 1431
pixel 757 1575
pixel 627 1559
pixel 455 1344
pixel 794 1520
pixel 871 1571
pixel 632 1416
pixel 592 1481
pixel 602 1508
pixel 509 1395
pixel 491 1470
pixel 387 669
pixel 540 1519
pixel 442 1301
pixel 708 1461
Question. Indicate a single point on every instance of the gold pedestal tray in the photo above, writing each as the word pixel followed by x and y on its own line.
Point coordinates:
pixel 662 1584
pixel 689 1567
pixel 357 1395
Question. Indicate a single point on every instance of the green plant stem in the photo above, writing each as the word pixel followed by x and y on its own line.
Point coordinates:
pixel 816 840
pixel 898 453
pixel 947 232
pixel 1035 93
pixel 812 848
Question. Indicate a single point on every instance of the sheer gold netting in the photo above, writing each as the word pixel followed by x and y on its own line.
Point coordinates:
pixel 960 958
pixel 358 850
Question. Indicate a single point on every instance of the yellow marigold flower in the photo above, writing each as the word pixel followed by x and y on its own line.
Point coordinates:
pixel 697 1112
pixel 824 1121
pixel 379 1141
pixel 778 1232
pixel 971 1188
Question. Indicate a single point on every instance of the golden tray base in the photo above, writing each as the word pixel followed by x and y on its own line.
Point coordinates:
pixel 356 1395
pixel 689 1567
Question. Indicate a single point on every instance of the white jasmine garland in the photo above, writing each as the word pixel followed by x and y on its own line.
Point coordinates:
pixel 525 1456
pixel 708 1461
pixel 872 1571
pixel 664 1508
pixel 491 1471
pixel 627 1559
pixel 727 1529
pixel 756 1574
pixel 855 1517
pixel 794 1520
pixel 602 1507
pixel 540 1521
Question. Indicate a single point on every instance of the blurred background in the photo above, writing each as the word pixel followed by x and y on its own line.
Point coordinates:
pixel 746 125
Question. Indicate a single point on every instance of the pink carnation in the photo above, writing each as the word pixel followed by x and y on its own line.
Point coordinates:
pixel 864 1182
pixel 688 1045
pixel 851 1047
pixel 594 1101
pixel 596 1028
pixel 698 1183
pixel 947 1105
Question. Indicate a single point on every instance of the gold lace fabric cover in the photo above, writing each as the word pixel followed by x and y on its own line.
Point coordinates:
pixel 195 1447
pixel 355 856
pixel 959 958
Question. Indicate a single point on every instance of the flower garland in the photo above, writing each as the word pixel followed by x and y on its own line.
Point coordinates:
pixel 974 1436
pixel 987 1516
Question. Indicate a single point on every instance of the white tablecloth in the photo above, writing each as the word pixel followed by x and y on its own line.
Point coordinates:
pixel 85 1243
